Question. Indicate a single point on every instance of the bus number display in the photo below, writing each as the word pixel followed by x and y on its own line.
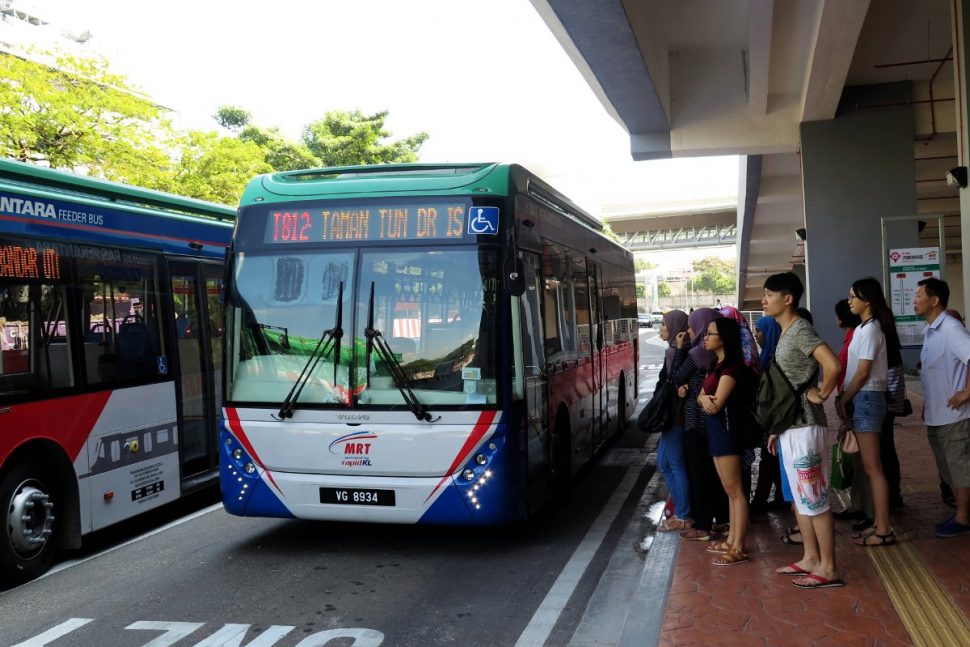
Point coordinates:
pixel 23 262
pixel 366 224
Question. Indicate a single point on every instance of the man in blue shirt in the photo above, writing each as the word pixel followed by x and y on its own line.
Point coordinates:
pixel 946 393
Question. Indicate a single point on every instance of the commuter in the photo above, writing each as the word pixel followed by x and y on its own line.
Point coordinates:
pixel 691 363
pixel 865 386
pixel 946 492
pixel 753 362
pixel 670 453
pixel 860 509
pixel 807 449
pixel 766 333
pixel 946 397
pixel 724 397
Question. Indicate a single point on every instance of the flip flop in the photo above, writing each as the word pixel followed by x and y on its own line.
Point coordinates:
pixel 816 582
pixel 795 570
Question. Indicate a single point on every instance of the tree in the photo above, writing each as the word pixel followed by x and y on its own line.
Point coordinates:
pixel 216 168
pixel 663 290
pixel 716 275
pixel 280 153
pixel 74 114
pixel 642 265
pixel 233 118
pixel 352 138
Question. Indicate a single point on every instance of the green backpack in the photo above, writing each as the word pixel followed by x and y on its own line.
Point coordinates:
pixel 778 404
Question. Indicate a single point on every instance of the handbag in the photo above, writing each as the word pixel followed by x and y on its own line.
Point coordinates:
pixel 658 415
pixel 896 392
pixel 842 473
pixel 849 443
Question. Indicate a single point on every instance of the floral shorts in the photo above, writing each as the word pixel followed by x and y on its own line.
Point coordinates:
pixel 807 454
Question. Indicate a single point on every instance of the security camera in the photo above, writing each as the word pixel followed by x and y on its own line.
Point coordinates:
pixel 800 233
pixel 957 176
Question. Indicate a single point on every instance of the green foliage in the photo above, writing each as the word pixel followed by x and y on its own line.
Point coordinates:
pixel 663 290
pixel 216 168
pixel 351 138
pixel 716 276
pixel 642 265
pixel 641 291
pixel 281 154
pixel 609 233
pixel 74 114
pixel 233 117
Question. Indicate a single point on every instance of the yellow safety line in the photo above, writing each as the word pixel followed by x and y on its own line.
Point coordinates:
pixel 923 606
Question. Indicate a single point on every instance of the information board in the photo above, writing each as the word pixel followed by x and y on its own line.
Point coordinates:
pixel 907 267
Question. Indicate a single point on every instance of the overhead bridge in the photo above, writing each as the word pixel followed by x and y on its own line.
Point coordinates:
pixel 676 228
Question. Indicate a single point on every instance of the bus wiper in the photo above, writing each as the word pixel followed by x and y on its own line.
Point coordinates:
pixel 375 341
pixel 329 341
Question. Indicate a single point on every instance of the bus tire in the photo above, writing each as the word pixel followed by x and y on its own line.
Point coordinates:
pixel 621 406
pixel 561 455
pixel 30 501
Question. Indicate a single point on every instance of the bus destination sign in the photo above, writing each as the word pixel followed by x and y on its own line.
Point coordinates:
pixel 367 223
pixel 23 262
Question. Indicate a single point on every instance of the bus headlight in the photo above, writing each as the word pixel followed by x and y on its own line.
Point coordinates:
pixel 249 468
pixel 468 475
pixel 237 453
pixel 480 459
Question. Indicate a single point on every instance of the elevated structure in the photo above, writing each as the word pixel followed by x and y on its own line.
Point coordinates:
pixel 850 112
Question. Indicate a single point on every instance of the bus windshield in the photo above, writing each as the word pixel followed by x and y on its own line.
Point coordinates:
pixel 435 309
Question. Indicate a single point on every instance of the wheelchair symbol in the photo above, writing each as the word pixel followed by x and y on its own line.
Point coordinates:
pixel 483 220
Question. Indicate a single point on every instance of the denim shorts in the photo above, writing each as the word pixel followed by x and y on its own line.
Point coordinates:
pixel 869 410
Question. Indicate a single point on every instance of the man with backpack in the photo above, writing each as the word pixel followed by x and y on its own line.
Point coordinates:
pixel 797 422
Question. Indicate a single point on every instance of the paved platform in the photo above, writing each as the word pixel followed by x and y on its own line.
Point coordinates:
pixel 914 593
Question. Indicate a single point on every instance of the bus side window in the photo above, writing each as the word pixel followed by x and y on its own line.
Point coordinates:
pixel 34 351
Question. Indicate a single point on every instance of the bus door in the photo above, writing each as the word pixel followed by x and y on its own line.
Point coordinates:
pixel 534 382
pixel 197 341
pixel 600 383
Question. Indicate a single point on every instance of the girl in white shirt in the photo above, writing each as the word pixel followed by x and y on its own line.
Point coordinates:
pixel 865 386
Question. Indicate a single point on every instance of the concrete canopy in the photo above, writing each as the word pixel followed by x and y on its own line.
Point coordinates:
pixel 716 77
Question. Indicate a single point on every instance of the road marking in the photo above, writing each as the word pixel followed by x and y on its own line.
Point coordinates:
pixel 75 562
pixel 54 633
pixel 545 617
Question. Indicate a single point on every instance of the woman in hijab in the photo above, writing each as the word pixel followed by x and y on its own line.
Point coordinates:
pixel 691 363
pixel 766 333
pixel 670 453
pixel 750 350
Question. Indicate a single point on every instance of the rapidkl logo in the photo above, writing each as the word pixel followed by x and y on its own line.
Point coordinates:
pixel 354 448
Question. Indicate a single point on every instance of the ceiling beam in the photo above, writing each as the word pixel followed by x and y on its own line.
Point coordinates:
pixel 760 13
pixel 839 25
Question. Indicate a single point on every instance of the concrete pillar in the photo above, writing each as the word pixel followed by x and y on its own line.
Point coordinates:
pixel 960 20
pixel 856 170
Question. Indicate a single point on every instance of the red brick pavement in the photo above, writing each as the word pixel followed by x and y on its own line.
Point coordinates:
pixel 749 604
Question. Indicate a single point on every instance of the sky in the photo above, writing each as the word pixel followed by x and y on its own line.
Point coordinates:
pixel 486 79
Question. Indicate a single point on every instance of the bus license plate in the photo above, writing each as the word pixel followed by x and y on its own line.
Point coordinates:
pixel 356 496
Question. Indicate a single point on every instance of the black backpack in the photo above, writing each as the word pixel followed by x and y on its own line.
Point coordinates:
pixel 778 404
pixel 659 413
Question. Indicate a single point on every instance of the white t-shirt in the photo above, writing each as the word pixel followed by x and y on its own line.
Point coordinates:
pixel 868 342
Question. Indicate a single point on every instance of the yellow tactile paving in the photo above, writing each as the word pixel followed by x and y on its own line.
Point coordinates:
pixel 924 607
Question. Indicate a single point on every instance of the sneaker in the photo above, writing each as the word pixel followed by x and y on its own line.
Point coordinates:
pixel 951 528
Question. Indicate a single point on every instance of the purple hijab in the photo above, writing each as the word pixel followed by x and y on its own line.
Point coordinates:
pixel 676 323
pixel 698 321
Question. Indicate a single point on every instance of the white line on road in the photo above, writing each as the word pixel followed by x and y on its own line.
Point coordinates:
pixel 545 617
pixel 53 634
pixel 75 562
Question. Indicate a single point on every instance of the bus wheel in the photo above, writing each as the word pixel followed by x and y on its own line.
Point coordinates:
pixel 29 505
pixel 621 407
pixel 561 455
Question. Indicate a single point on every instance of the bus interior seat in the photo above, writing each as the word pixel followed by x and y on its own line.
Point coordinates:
pixel 134 348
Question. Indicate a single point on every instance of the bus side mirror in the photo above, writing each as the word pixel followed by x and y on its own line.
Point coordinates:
pixel 515 278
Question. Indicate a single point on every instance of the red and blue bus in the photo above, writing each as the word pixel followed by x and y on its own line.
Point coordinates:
pixel 110 355
pixel 419 344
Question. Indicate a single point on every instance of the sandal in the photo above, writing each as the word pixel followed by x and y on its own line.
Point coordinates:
pixel 696 534
pixel 720 547
pixel 731 558
pixel 721 528
pixel 675 523
pixel 790 539
pixel 872 537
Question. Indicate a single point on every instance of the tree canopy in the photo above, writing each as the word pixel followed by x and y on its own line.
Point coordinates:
pixel 716 275
pixel 75 114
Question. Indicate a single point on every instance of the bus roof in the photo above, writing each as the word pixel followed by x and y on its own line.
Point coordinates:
pixel 394 180
pixel 19 175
